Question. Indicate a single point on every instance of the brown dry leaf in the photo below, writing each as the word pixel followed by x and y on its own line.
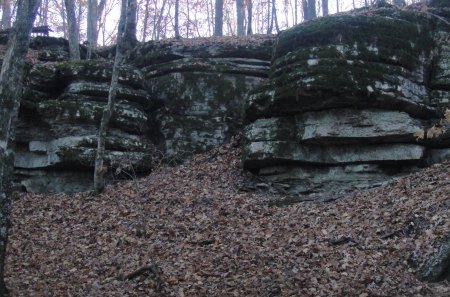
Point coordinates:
pixel 435 132
pixel 207 239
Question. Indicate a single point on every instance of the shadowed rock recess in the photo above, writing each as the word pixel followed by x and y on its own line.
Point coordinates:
pixel 331 105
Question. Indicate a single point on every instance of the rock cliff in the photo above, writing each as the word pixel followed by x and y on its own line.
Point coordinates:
pixel 331 105
pixel 346 98
pixel 175 98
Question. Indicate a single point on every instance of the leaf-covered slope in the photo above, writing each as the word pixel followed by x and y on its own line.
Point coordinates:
pixel 208 238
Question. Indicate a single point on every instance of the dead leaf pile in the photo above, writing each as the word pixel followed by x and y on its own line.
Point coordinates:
pixel 189 231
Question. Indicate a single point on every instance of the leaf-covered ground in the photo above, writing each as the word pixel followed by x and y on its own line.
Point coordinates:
pixel 190 231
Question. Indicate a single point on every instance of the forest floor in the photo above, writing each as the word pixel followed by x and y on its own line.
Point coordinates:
pixel 191 230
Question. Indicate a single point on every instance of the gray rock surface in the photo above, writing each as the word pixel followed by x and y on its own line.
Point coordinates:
pixel 334 104
pixel 202 87
pixel 58 122
pixel 347 99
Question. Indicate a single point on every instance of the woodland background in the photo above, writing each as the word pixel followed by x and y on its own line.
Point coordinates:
pixel 156 18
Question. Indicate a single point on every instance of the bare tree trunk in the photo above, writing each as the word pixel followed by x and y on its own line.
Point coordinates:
pixel 100 8
pixel 74 47
pixel 131 24
pixel 79 17
pixel 218 19
pixel 6 14
pixel 158 23
pixel 249 17
pixel 91 32
pixel 100 169
pixel 208 17
pixel 45 12
pixel 188 19
pixel 145 25
pixel 11 81
pixel 240 17
pixel 324 7
pixel 64 20
pixel 274 16
pixel 312 9
pixel 296 13
pixel 305 10
pixel 337 6
pixel 177 19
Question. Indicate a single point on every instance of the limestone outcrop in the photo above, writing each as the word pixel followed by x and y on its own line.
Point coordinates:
pixel 346 99
pixel 174 99
pixel 202 85
pixel 58 121
pixel 339 103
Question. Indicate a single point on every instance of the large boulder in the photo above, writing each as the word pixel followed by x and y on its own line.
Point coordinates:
pixel 348 100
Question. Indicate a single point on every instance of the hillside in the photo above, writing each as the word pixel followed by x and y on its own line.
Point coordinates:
pixel 190 230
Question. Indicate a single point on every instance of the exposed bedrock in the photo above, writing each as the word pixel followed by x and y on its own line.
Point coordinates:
pixel 348 99
pixel 202 85
pixel 174 99
pixel 59 118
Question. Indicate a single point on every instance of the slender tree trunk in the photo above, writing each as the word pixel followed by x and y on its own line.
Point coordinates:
pixel 91 30
pixel 177 19
pixel 274 16
pixel 208 17
pixel 145 25
pixel 324 7
pixel 131 24
pixel 188 19
pixel 312 9
pixel 218 19
pixel 64 20
pixel 296 12
pixel 79 17
pixel 100 8
pixel 240 17
pixel 305 10
pixel 74 47
pixel 100 169
pixel 45 12
pixel 337 6
pixel 11 81
pixel 6 14
pixel 249 17
pixel 158 23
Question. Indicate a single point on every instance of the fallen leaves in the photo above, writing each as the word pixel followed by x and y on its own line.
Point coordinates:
pixel 189 231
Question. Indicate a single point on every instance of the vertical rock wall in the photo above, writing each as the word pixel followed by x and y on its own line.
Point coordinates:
pixel 346 99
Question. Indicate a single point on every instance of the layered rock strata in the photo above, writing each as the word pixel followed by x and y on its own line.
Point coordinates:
pixel 202 85
pixel 346 100
pixel 59 117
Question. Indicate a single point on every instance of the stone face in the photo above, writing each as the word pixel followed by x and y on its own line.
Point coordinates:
pixel 337 126
pixel 334 104
pixel 347 99
pixel 179 99
pixel 59 118
pixel 201 88
pixel 308 179
pixel 345 61
pixel 261 154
